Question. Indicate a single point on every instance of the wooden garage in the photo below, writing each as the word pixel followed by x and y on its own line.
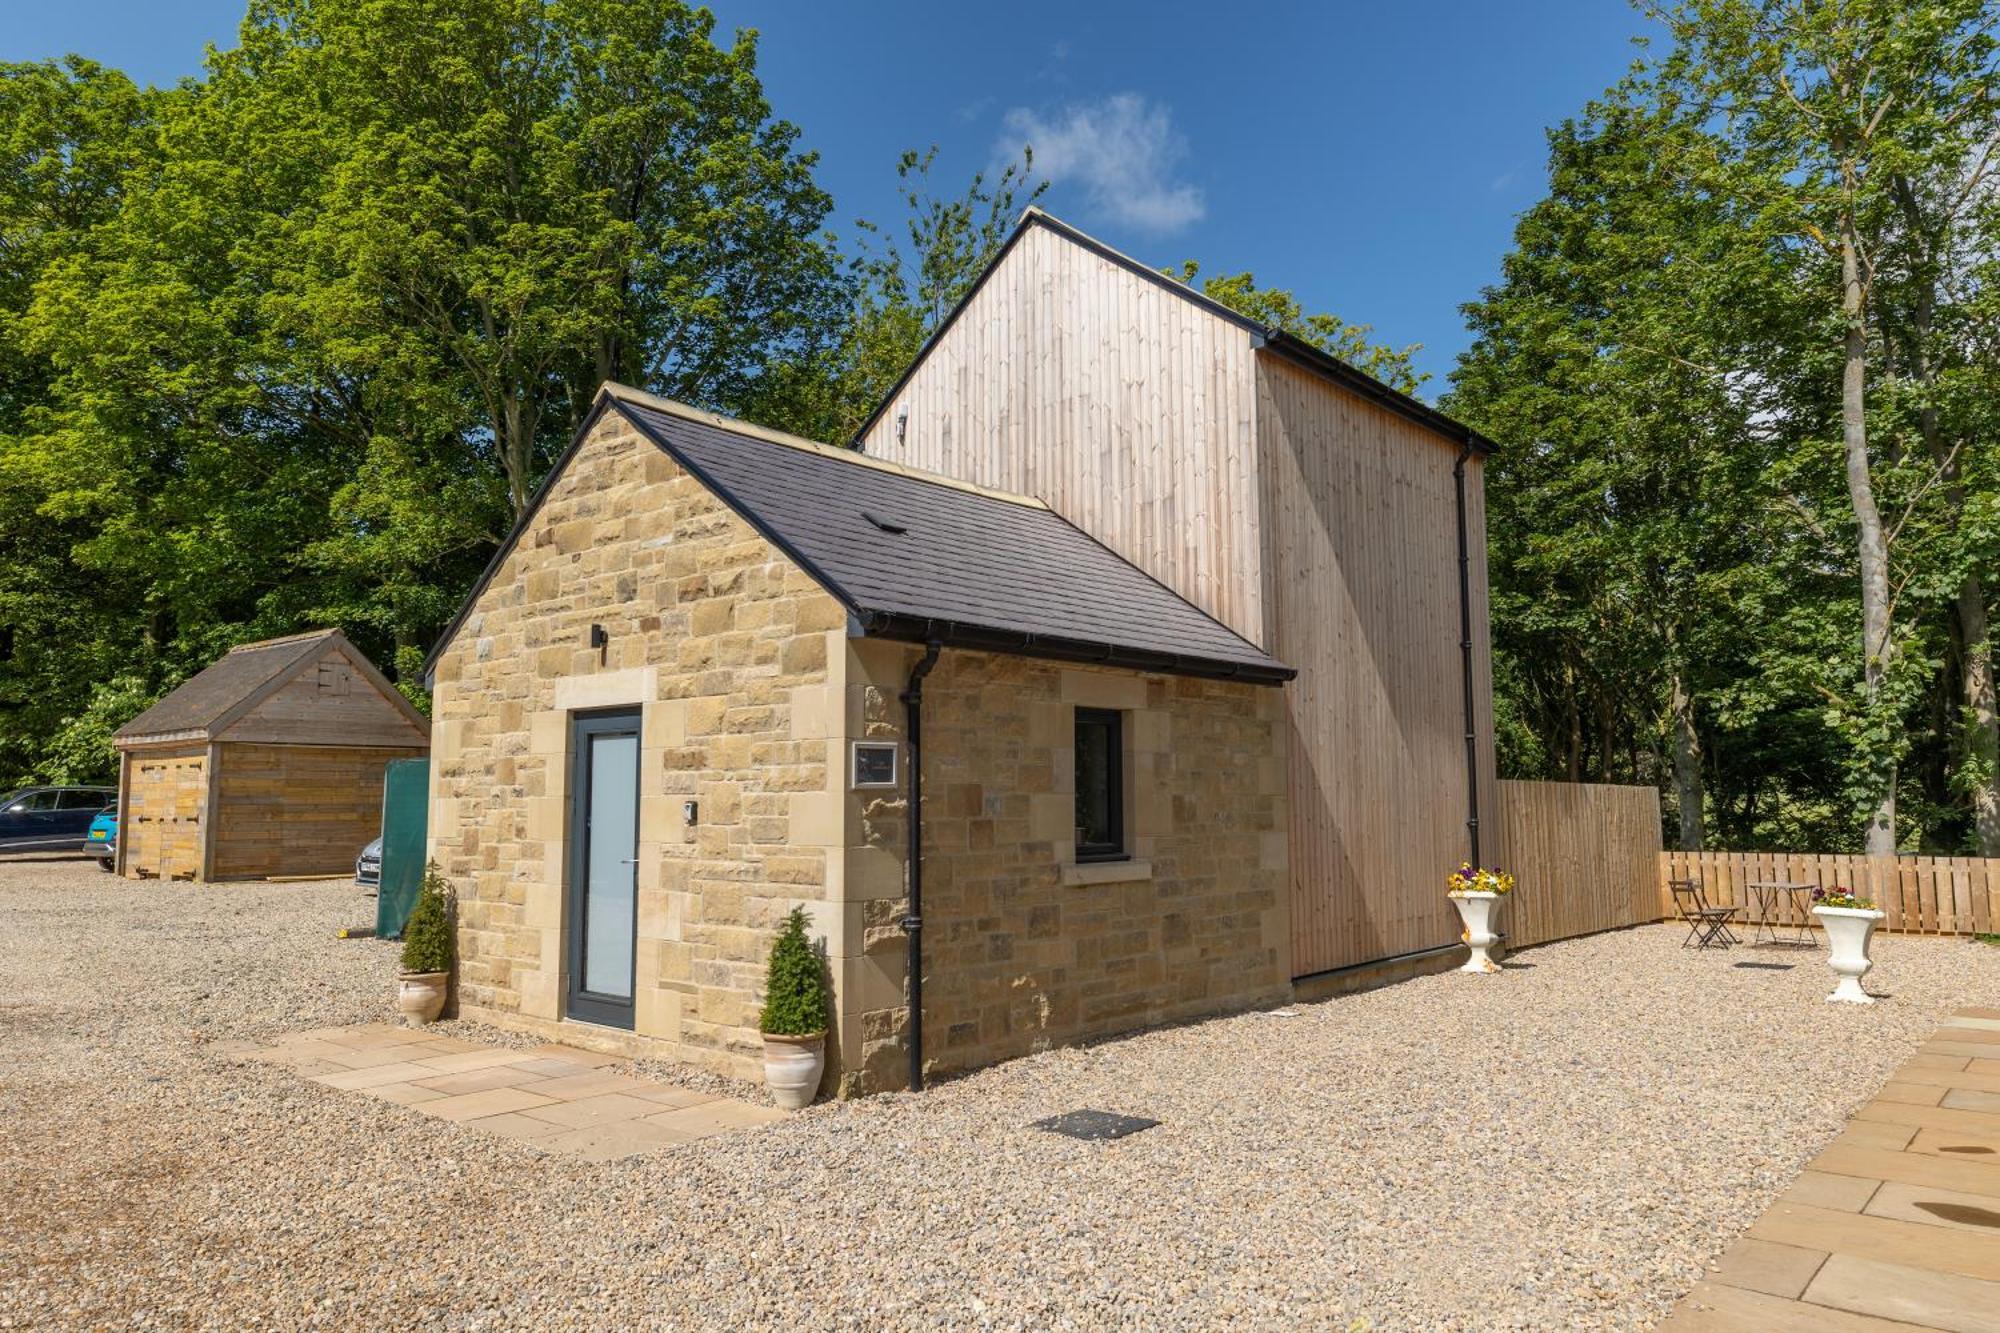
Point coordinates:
pixel 269 763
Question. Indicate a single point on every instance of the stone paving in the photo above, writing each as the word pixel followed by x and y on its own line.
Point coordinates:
pixel 1896 1225
pixel 555 1098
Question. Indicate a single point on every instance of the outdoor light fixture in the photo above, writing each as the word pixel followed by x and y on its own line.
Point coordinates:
pixel 600 641
pixel 902 424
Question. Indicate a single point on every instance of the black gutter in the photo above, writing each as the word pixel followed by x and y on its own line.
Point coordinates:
pixel 956 634
pixel 1465 656
pixel 913 920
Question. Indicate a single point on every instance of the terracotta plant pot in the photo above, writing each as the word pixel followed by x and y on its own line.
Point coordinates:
pixel 792 1068
pixel 1848 931
pixel 1477 909
pixel 420 995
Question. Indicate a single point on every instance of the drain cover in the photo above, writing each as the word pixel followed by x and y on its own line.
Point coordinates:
pixel 1096 1126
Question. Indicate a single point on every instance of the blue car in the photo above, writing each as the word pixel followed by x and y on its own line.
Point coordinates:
pixel 102 839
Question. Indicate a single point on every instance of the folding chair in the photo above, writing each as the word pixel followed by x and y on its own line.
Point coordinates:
pixel 1708 927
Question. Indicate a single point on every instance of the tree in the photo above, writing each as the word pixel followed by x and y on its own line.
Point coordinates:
pixel 1279 309
pixel 1819 107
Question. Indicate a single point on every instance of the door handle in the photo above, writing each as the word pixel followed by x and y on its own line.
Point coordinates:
pixel 632 862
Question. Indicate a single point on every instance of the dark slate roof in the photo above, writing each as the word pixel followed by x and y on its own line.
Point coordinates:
pixel 915 556
pixel 207 697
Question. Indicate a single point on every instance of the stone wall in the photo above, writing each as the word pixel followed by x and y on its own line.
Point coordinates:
pixel 726 646
pixel 1024 948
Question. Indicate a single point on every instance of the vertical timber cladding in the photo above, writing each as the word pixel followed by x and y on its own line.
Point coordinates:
pixel 160 823
pixel 1362 579
pixel 1318 526
pixel 1128 408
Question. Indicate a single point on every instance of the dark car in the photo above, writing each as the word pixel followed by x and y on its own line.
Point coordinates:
pixel 102 839
pixel 49 819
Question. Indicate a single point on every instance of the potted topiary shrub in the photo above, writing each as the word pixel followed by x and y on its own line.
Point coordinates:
pixel 1477 893
pixel 427 950
pixel 795 1016
pixel 1850 921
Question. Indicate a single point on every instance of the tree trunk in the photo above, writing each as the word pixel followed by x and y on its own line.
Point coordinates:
pixel 1982 720
pixel 1877 646
pixel 1687 764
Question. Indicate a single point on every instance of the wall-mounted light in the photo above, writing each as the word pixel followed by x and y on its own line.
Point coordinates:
pixel 902 425
pixel 600 641
pixel 691 812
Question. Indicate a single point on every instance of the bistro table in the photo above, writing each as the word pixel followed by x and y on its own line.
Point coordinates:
pixel 1767 922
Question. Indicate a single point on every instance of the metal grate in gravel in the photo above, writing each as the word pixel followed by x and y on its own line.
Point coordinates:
pixel 1095 1126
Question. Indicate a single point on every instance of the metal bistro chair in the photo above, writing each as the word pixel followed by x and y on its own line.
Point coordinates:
pixel 1708 927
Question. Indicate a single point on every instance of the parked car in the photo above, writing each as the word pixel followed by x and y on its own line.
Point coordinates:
pixel 368 866
pixel 101 841
pixel 49 819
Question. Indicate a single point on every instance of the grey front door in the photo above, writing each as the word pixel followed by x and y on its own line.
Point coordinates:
pixel 603 866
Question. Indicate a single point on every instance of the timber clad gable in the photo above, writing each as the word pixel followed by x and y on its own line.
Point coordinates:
pixel 1303 504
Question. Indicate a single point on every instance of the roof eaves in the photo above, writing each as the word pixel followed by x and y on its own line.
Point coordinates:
pixel 984 638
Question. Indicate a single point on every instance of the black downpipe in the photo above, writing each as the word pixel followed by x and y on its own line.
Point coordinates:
pixel 1465 654
pixel 913 920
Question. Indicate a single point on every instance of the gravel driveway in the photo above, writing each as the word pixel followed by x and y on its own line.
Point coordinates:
pixel 1562 1144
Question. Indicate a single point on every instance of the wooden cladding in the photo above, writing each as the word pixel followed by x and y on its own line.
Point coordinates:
pixel 1584 858
pixel 1311 520
pixel 160 815
pixel 1126 407
pixel 1922 895
pixel 1361 576
pixel 297 809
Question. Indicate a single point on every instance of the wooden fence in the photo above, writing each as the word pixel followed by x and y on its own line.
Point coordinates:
pixel 1585 858
pixel 1929 895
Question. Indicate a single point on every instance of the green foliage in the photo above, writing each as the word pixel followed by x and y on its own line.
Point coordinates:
pixel 1279 309
pixel 795 990
pixel 429 936
pixel 1674 519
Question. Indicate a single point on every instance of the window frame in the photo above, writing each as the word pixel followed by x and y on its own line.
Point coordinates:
pixel 1112 721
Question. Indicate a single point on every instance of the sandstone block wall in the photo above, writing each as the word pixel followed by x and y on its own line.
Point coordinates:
pixel 1025 949
pixel 725 645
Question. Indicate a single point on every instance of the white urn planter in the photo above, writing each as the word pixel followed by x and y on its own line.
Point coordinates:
pixel 1478 909
pixel 1848 931
pixel 792 1068
pixel 420 995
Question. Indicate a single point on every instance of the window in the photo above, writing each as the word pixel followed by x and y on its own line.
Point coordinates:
pixel 1100 785
pixel 874 764
pixel 84 800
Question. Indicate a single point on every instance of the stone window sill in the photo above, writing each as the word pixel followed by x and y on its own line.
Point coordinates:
pixel 1106 872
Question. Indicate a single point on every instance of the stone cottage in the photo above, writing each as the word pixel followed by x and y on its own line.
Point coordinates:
pixel 681 701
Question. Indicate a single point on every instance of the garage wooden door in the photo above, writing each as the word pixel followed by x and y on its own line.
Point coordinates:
pixel 161 816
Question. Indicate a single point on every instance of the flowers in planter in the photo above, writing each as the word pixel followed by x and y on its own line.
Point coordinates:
pixel 1469 878
pixel 1834 895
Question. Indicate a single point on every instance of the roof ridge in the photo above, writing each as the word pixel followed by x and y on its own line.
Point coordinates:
pixel 288 638
pixel 672 407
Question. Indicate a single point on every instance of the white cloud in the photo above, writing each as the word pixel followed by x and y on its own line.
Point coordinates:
pixel 1123 151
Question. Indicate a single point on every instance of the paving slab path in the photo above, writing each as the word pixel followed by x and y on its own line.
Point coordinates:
pixel 1896 1224
pixel 556 1098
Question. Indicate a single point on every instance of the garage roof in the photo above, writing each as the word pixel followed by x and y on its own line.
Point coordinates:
pixel 236 682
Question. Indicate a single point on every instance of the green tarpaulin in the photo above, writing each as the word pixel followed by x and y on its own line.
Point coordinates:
pixel 405 811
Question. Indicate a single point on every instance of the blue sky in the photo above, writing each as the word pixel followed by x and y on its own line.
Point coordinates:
pixel 1371 157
